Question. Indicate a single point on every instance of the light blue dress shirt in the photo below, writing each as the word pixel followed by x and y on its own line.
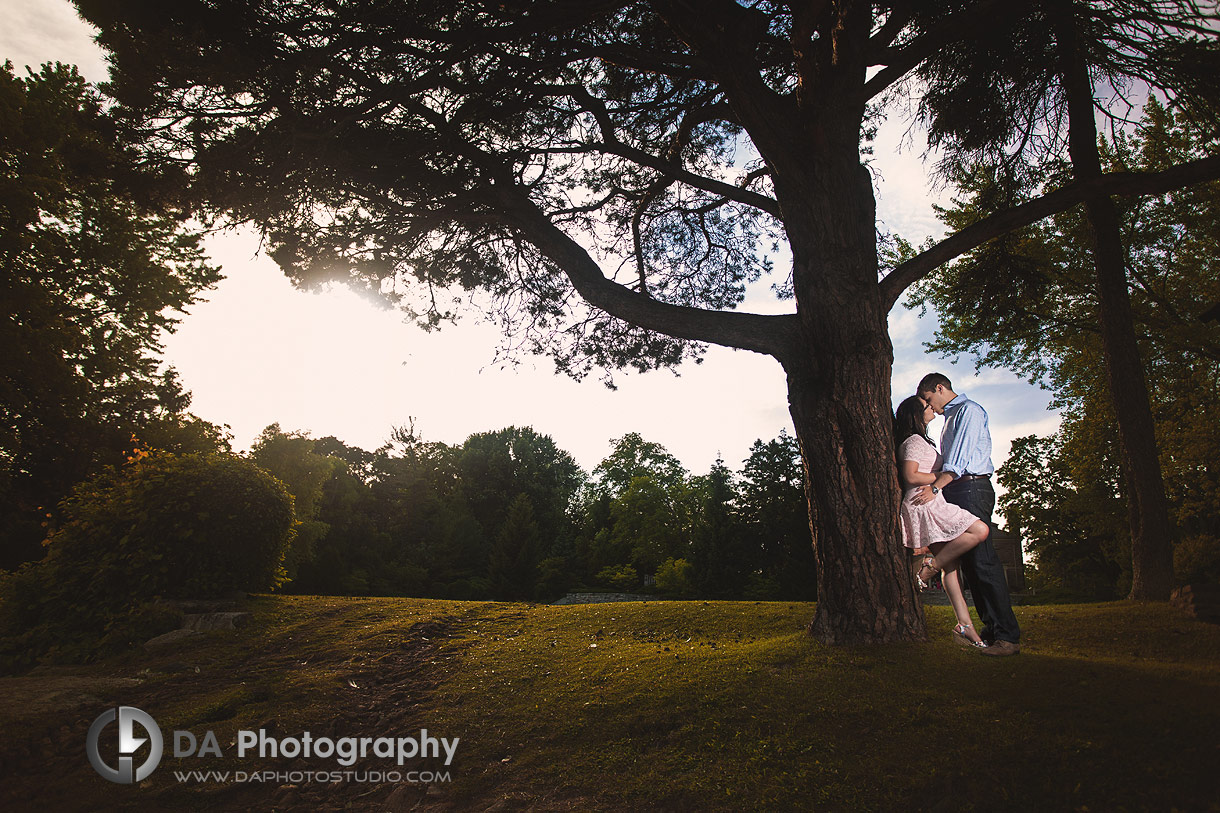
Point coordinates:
pixel 965 441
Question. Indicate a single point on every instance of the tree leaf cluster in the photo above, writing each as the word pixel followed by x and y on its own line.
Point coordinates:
pixel 998 97
pixel 94 270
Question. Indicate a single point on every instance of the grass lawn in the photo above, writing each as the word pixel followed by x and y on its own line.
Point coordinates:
pixel 650 706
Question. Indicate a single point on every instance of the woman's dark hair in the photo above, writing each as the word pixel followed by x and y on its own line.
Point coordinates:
pixel 908 420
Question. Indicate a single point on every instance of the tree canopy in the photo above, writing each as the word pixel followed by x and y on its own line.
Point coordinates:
pixel 607 176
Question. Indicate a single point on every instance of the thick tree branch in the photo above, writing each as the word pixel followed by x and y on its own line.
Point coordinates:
pixel 974 235
pixel 725 34
pixel 770 335
pixel 676 173
pixel 804 24
pixel 687 66
pixel 899 17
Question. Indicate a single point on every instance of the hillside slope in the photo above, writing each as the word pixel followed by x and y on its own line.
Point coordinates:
pixel 654 706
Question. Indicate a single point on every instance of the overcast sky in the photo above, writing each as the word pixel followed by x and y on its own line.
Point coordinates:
pixel 259 351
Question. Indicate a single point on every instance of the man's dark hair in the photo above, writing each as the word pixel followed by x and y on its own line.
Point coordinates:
pixel 929 382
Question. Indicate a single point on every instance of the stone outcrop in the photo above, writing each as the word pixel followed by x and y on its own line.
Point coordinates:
pixel 173 636
pixel 203 616
pixel 1201 601
pixel 201 622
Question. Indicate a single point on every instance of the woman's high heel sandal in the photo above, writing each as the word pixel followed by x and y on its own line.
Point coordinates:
pixel 959 634
pixel 927 564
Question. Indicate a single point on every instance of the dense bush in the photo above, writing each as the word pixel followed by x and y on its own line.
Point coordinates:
pixel 1196 559
pixel 189 526
pixel 619 577
pixel 673 577
pixel 166 526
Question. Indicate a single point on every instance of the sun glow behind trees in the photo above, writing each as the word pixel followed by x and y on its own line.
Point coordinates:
pixel 259 351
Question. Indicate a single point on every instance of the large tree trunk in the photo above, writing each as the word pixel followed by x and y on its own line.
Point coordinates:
pixel 842 418
pixel 838 356
pixel 1151 534
pixel 839 397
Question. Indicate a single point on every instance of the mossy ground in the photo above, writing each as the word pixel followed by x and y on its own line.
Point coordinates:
pixel 660 706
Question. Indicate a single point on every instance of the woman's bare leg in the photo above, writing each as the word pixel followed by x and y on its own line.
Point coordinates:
pixel 957 599
pixel 947 553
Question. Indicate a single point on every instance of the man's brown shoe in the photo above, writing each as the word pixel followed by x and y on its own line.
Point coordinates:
pixel 1001 648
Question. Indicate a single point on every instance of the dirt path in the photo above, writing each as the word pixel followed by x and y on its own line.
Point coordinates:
pixel 374 688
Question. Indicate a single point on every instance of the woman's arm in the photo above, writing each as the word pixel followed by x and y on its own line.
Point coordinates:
pixel 912 476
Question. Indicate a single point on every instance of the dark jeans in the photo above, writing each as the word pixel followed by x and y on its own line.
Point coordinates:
pixel 982 568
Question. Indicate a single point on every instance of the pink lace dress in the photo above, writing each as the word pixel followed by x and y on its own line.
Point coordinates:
pixel 936 521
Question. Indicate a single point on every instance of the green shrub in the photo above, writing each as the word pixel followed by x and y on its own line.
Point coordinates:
pixel 166 526
pixel 619 577
pixel 553 578
pixel 673 577
pixel 760 587
pixel 189 526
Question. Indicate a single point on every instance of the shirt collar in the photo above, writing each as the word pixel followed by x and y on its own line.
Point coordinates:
pixel 956 402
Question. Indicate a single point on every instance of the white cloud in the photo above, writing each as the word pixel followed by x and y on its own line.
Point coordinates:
pixel 48 31
pixel 904 194
pixel 907 330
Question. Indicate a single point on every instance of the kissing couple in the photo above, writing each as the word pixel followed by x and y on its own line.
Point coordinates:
pixel 947 504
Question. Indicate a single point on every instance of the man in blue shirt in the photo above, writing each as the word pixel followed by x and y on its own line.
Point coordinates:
pixel 965 445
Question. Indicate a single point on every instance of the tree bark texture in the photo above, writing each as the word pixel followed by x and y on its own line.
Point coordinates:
pixel 839 398
pixel 1151 533
pixel 842 419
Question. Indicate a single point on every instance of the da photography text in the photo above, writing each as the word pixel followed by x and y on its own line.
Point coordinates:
pixel 136 727
pixel 344 750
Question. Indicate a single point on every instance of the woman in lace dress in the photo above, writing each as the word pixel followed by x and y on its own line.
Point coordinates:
pixel 943 528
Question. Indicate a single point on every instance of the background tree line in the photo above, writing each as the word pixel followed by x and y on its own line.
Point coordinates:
pixel 509 515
